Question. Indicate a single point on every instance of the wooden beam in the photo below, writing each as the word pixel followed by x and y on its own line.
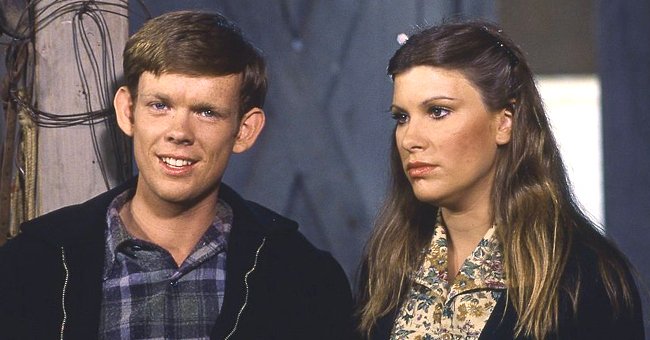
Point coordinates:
pixel 9 146
pixel 72 44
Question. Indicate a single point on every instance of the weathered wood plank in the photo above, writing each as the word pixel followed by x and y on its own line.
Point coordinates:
pixel 68 167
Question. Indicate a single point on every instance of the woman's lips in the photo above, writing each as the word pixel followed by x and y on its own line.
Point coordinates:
pixel 419 169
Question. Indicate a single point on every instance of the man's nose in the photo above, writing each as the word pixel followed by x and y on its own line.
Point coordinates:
pixel 180 129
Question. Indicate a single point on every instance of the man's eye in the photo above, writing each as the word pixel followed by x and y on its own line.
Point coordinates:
pixel 158 106
pixel 207 113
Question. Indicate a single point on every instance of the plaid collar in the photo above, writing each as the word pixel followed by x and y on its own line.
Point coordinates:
pixel 213 240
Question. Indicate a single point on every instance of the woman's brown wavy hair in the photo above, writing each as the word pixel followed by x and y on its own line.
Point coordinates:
pixel 537 216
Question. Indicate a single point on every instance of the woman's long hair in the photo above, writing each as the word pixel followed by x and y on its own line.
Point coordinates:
pixel 537 216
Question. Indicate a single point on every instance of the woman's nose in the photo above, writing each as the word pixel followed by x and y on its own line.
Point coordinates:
pixel 410 136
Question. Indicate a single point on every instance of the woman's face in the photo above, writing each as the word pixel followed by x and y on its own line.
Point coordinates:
pixel 446 137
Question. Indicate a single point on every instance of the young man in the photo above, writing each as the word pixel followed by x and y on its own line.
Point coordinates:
pixel 175 253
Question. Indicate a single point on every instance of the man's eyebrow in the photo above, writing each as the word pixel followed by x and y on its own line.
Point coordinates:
pixel 159 96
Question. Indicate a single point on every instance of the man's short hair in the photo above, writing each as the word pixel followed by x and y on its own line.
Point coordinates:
pixel 196 44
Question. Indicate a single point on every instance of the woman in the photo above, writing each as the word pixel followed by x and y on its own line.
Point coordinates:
pixel 480 236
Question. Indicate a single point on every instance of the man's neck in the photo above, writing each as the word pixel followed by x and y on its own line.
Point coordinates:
pixel 175 228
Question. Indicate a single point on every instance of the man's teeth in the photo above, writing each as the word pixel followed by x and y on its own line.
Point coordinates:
pixel 176 162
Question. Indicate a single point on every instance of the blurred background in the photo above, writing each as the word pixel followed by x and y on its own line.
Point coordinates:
pixel 322 159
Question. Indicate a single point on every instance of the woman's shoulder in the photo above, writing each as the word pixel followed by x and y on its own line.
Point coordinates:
pixel 599 268
pixel 599 295
pixel 594 256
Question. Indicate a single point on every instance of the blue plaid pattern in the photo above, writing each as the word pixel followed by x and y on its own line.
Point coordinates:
pixel 147 296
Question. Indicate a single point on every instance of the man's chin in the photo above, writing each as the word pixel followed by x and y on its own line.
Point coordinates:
pixel 186 198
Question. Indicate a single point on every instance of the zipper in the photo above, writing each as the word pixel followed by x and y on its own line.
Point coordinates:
pixel 248 273
pixel 241 310
pixel 65 286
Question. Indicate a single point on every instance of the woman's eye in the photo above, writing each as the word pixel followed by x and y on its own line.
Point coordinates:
pixel 400 117
pixel 438 112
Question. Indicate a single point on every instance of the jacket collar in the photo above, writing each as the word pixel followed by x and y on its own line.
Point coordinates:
pixel 79 229
pixel 253 225
pixel 81 223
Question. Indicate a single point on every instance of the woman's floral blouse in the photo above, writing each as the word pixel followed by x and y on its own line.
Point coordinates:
pixel 435 310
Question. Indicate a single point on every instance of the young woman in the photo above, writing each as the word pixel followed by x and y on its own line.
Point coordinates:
pixel 480 236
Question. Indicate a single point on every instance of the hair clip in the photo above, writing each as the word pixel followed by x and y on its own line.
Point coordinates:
pixel 402 38
pixel 511 55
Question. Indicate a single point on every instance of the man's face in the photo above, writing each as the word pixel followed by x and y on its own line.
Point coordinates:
pixel 184 130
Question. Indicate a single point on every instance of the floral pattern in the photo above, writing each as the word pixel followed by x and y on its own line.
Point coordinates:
pixel 434 309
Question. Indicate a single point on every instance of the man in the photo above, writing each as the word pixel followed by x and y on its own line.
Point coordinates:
pixel 176 254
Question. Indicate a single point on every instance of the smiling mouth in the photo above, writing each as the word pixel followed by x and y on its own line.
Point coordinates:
pixel 176 162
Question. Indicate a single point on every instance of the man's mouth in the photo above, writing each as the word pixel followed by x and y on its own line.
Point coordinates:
pixel 176 162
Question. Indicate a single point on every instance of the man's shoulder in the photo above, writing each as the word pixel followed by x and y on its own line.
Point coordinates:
pixel 254 216
pixel 69 224
pixel 284 242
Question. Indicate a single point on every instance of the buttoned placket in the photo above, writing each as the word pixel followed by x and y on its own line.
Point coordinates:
pixel 432 278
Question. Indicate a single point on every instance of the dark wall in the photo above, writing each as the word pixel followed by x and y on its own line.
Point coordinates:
pixel 624 58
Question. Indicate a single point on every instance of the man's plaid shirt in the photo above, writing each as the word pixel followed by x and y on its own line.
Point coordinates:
pixel 147 296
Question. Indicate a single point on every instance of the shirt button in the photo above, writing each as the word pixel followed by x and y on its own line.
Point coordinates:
pixel 446 336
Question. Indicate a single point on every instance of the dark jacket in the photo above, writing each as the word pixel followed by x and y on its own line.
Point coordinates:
pixel 278 286
pixel 594 318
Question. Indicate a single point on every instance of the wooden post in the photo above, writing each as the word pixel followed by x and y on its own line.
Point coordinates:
pixel 69 170
pixel 6 166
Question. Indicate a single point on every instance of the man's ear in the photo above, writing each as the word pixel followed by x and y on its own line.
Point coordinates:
pixel 504 125
pixel 123 103
pixel 250 126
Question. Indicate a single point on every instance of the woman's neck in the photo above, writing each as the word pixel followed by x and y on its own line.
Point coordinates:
pixel 464 231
